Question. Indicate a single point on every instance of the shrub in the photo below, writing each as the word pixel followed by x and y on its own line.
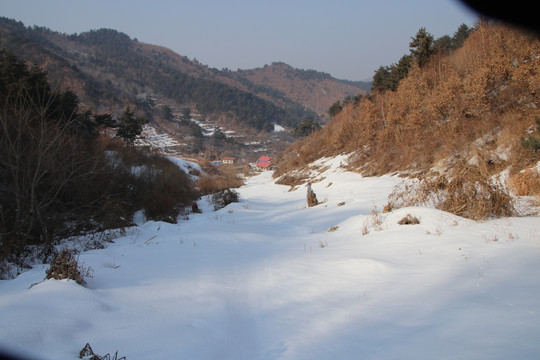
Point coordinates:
pixel 224 198
pixel 466 192
pixel 212 184
pixel 65 266
pixel 87 353
pixel 526 182
pixel 164 189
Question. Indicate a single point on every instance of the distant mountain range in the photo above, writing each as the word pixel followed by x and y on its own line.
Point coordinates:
pixel 109 71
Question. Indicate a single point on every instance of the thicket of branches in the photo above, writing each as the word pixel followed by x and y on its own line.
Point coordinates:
pixel 473 106
pixel 59 175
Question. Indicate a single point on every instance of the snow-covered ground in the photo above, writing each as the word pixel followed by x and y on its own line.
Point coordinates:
pixel 278 128
pixel 265 279
pixel 158 140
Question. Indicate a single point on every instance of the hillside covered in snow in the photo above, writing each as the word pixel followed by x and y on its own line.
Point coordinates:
pixel 270 278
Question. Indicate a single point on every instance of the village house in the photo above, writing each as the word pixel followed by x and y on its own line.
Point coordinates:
pixel 264 163
pixel 228 160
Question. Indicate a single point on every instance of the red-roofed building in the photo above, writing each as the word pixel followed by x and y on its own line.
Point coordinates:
pixel 264 158
pixel 228 160
pixel 264 163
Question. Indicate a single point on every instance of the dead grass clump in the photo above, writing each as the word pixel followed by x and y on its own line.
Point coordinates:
pixel 467 191
pixel 292 180
pixel 409 220
pixel 526 182
pixel 88 354
pixel 373 221
pixel 65 266
pixel 475 198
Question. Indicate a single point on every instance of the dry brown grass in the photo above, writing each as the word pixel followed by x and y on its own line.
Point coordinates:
pixel 465 191
pixel 474 104
pixel 217 180
pixel 526 182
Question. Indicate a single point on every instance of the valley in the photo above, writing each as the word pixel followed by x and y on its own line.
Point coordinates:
pixel 110 71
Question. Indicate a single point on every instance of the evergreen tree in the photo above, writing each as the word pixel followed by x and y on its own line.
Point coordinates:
pixel 421 47
pixel 382 79
pixel 460 36
pixel 186 115
pixel 400 70
pixel 306 127
pixel 129 126
pixel 443 45
pixel 335 109
pixel 218 134
pixel 388 77
pixel 105 120
pixel 166 112
pixel 268 127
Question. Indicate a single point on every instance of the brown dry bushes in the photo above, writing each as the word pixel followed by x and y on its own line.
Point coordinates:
pixel 465 191
pixel 476 102
pixel 526 182
pixel 217 180
pixel 65 266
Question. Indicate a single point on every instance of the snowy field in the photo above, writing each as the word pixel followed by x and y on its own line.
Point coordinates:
pixel 265 279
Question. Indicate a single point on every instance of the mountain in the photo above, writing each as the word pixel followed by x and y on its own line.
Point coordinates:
pixel 109 71
pixel 315 90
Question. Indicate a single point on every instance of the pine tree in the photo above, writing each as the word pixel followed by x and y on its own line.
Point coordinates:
pixel 306 127
pixel 382 79
pixel 460 36
pixel 130 127
pixel 335 109
pixel 421 46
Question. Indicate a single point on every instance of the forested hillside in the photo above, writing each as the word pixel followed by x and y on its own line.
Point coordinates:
pixel 108 71
pixel 308 87
pixel 454 120
pixel 111 66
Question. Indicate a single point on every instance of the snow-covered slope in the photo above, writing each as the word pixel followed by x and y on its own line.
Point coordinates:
pixel 269 278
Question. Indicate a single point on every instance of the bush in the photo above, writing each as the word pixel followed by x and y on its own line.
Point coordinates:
pixel 88 354
pixel 164 189
pixel 218 179
pixel 65 266
pixel 224 198
pixel 466 192
pixel 526 182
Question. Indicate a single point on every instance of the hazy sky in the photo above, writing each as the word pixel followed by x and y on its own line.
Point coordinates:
pixel 349 39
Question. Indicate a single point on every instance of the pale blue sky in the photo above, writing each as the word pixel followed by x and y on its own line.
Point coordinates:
pixel 349 39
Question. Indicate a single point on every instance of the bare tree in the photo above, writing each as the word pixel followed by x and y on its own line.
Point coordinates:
pixel 40 159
